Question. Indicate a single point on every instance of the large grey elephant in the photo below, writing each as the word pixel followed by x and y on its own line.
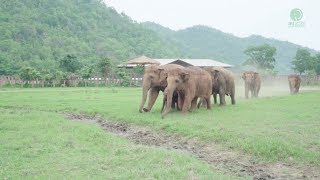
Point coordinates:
pixel 153 83
pixel 222 84
pixel 191 83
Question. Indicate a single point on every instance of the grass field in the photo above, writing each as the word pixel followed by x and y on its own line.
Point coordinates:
pixel 37 140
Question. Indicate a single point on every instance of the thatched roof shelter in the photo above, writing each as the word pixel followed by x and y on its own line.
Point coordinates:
pixel 143 60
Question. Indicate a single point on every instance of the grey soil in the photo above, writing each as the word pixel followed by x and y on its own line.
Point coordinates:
pixel 225 160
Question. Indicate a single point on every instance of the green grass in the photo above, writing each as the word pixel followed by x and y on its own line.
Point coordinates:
pixel 39 144
pixel 281 128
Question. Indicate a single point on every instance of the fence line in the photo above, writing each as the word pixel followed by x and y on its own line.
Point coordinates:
pixel 14 81
pixel 133 80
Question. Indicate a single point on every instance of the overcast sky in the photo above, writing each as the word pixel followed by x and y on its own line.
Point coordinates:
pixel 242 18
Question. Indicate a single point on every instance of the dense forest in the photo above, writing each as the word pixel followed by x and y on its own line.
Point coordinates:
pixel 206 42
pixel 41 33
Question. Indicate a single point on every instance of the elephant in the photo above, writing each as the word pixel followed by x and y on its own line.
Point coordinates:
pixel 252 82
pixel 294 83
pixel 191 83
pixel 152 81
pixel 222 84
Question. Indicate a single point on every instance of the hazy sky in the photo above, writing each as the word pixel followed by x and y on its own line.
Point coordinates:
pixel 242 18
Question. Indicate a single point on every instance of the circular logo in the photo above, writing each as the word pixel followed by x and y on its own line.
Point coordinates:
pixel 296 14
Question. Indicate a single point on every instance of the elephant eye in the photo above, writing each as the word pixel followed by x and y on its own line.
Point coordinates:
pixel 177 81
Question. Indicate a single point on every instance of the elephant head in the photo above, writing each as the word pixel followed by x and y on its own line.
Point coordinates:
pixel 175 81
pixel 250 77
pixel 215 76
pixel 151 78
pixel 155 77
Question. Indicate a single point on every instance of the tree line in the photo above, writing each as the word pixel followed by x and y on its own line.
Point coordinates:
pixel 70 67
pixel 304 62
pixel 262 57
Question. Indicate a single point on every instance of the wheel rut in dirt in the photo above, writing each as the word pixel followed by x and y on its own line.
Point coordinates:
pixel 222 159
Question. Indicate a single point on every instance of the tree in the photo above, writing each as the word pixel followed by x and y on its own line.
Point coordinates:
pixel 302 61
pixel 58 76
pixel 29 74
pixel 124 77
pixel 70 64
pixel 317 63
pixel 261 56
pixel 86 73
pixel 104 67
pixel 7 66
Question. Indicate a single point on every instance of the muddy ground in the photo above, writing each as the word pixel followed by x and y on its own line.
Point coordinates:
pixel 221 159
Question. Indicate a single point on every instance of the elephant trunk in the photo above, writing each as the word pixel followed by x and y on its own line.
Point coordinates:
pixel 168 93
pixel 145 88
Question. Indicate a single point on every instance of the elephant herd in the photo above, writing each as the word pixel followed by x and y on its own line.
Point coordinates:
pixel 182 86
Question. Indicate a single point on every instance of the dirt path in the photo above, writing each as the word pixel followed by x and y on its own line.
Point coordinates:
pixel 221 159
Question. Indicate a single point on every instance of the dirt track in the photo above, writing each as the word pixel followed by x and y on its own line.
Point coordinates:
pixel 221 159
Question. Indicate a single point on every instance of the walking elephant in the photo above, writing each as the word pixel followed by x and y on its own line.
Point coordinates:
pixel 154 83
pixel 190 83
pixel 294 83
pixel 252 82
pixel 222 84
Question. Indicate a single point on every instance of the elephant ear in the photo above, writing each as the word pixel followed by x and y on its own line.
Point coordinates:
pixel 185 76
pixel 256 75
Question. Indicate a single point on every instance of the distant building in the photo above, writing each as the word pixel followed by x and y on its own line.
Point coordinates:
pixel 194 62
pixel 187 62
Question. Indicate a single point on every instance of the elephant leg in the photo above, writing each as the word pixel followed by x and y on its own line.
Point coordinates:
pixel 152 99
pixel 194 104
pixel 246 92
pixel 180 100
pixel 177 103
pixel 215 98
pixel 186 104
pixel 163 103
pixel 253 92
pixel 258 90
pixel 297 88
pixel 232 96
pixel 222 98
pixel 208 100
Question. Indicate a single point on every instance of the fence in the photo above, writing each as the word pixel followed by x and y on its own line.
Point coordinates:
pixel 133 80
pixel 15 81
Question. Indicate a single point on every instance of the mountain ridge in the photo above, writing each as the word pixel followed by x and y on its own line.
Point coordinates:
pixel 201 41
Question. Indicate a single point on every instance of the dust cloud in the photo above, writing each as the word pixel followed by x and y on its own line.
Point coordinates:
pixel 271 87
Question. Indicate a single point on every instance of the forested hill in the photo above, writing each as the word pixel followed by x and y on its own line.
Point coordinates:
pixel 206 42
pixel 38 33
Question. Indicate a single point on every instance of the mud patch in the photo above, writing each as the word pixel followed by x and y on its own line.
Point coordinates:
pixel 221 159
